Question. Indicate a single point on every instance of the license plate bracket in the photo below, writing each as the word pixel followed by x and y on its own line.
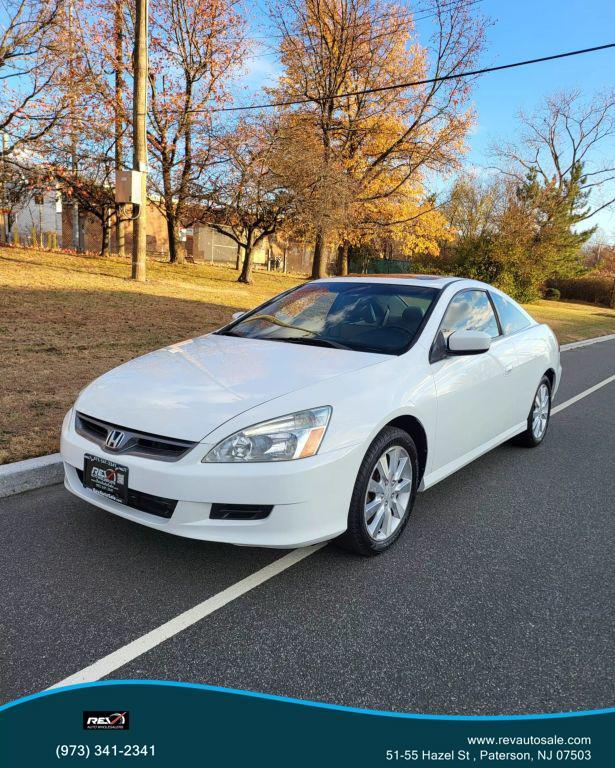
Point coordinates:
pixel 106 478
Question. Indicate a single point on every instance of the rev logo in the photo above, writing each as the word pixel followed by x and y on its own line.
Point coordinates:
pixel 105 721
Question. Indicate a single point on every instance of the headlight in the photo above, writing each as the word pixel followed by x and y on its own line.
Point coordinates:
pixel 295 436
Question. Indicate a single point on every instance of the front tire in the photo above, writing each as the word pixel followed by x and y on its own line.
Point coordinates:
pixel 383 495
pixel 538 419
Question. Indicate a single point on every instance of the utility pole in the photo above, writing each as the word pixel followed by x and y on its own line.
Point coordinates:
pixel 139 113
pixel 74 208
pixel 120 225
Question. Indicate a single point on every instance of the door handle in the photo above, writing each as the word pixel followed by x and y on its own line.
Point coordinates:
pixel 508 369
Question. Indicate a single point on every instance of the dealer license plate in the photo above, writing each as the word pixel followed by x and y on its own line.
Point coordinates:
pixel 106 478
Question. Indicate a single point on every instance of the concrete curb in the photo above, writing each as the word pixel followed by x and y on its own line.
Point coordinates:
pixel 586 342
pixel 30 474
pixel 27 475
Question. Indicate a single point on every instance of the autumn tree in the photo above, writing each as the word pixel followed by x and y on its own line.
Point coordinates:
pixel 81 152
pixel 92 187
pixel 552 181
pixel 195 46
pixel 28 70
pixel 517 234
pixel 247 200
pixel 343 61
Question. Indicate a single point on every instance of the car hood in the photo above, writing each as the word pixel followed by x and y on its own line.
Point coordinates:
pixel 191 388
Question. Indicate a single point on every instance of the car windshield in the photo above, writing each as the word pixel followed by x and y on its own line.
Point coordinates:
pixel 367 317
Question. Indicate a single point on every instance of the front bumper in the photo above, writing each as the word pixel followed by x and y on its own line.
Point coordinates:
pixel 310 497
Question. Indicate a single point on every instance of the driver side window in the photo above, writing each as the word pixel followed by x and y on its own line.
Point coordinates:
pixel 470 311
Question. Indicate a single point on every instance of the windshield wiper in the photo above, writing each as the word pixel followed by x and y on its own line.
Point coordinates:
pixel 312 342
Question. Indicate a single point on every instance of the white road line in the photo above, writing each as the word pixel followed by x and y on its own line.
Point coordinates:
pixel 586 342
pixel 581 395
pixel 141 645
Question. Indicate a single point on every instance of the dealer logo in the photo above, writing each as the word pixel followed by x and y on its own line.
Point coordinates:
pixel 106 721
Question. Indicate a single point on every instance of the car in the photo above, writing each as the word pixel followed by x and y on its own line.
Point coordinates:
pixel 316 416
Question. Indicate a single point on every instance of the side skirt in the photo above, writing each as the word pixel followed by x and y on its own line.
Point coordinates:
pixel 448 469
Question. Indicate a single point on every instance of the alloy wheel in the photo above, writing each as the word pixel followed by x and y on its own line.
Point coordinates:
pixel 540 412
pixel 388 493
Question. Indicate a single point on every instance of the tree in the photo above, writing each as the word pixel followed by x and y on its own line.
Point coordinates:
pixel 518 234
pixel 92 189
pixel 195 45
pixel 248 201
pixel 561 145
pixel 81 151
pixel 29 40
pixel 383 138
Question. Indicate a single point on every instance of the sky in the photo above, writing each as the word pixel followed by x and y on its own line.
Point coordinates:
pixel 520 29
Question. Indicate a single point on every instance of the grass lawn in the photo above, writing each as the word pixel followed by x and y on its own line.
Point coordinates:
pixel 65 319
pixel 573 321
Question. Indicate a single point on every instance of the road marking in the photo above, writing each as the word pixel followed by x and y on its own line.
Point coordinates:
pixel 581 395
pixel 141 645
pixel 586 342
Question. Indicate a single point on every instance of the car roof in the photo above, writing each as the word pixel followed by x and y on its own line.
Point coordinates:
pixel 433 281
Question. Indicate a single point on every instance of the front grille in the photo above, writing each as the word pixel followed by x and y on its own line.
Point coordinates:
pixel 240 511
pixel 146 502
pixel 134 443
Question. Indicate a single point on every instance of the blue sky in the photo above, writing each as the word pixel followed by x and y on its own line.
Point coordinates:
pixel 521 29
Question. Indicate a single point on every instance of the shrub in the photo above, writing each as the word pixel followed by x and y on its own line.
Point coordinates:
pixel 553 294
pixel 594 288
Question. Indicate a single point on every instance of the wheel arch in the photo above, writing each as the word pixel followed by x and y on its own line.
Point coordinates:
pixel 415 429
pixel 550 374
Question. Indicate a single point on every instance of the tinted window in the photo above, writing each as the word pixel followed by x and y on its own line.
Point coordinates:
pixel 371 317
pixel 512 318
pixel 470 311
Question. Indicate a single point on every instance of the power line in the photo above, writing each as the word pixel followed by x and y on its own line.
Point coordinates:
pixel 427 13
pixel 396 86
pixel 443 7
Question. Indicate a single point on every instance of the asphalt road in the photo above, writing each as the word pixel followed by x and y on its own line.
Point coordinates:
pixel 499 598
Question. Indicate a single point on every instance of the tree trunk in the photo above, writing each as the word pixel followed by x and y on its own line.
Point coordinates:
pixel 319 265
pixel 106 232
pixel 343 258
pixel 246 272
pixel 238 259
pixel 176 252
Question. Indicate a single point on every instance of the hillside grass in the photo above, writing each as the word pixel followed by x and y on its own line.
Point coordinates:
pixel 65 319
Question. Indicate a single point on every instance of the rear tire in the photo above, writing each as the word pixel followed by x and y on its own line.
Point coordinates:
pixel 383 495
pixel 538 419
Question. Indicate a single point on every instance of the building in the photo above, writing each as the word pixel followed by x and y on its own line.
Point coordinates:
pixel 43 219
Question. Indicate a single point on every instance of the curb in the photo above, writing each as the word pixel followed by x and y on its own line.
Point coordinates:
pixel 30 474
pixel 40 472
pixel 586 342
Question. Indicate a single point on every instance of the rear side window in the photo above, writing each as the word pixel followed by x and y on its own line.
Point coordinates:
pixel 470 311
pixel 512 318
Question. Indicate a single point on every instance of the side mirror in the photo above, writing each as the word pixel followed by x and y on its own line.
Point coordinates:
pixel 468 343
pixel 237 315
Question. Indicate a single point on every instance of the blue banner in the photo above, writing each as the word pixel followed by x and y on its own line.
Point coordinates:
pixel 172 724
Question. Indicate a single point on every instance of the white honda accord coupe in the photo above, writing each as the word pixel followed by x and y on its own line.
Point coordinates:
pixel 317 415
